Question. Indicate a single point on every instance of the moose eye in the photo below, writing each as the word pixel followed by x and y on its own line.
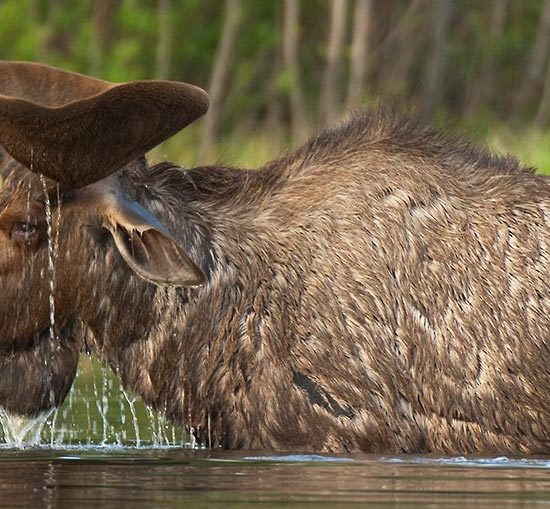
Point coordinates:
pixel 24 230
pixel 26 227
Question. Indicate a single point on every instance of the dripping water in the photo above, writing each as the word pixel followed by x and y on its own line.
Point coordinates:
pixel 52 252
pixel 108 418
pixel 131 403
pixel 97 411
pixel 20 431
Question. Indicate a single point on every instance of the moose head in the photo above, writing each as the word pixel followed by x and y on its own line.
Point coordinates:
pixel 64 135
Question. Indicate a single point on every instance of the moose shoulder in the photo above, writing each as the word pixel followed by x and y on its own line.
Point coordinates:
pixel 380 289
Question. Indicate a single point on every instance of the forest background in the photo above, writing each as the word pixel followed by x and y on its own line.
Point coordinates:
pixel 277 71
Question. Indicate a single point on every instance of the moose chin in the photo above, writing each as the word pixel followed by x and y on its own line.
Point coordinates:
pixel 383 288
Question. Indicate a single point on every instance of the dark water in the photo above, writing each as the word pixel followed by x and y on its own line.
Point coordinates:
pixel 125 477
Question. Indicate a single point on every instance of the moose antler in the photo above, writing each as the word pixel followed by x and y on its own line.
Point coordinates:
pixel 77 130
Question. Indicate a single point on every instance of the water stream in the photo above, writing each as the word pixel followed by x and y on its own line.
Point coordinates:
pixel 97 411
pixel 52 252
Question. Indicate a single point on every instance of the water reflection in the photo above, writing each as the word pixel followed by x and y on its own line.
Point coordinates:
pixel 175 477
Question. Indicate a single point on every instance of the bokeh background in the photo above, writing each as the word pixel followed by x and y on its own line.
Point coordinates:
pixel 278 70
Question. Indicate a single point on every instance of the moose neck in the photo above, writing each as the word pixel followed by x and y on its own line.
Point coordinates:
pixel 192 348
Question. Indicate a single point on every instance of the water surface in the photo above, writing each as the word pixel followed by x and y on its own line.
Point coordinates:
pixel 176 477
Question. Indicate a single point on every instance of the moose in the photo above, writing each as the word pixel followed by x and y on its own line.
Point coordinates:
pixel 383 288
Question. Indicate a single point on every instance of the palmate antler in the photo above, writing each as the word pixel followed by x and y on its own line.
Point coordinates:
pixel 77 130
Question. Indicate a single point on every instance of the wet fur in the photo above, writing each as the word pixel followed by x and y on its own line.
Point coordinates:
pixel 382 289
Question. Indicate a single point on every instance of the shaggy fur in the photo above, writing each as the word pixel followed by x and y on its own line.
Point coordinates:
pixel 380 289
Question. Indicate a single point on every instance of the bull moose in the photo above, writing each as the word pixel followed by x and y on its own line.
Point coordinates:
pixel 383 288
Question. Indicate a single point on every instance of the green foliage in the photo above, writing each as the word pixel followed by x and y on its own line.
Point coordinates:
pixel 16 36
pixel 531 147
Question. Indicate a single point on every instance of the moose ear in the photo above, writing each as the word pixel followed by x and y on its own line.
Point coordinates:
pixel 149 249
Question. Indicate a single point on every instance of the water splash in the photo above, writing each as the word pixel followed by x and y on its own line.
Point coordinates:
pixel 300 458
pixel 20 431
pixel 109 419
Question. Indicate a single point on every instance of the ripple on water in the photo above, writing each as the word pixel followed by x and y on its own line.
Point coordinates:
pixel 299 458
pixel 461 461
pixel 464 461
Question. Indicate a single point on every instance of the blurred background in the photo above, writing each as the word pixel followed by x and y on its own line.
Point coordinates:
pixel 279 70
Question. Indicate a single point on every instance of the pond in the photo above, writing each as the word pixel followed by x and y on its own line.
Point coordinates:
pixel 103 449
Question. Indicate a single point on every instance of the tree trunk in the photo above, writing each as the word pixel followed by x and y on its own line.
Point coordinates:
pixel 433 92
pixel 542 119
pixel 34 11
pixel 274 117
pixel 480 90
pixel 102 15
pixel 330 103
pixel 291 68
pixel 359 51
pixel 40 18
pixel 406 38
pixel 535 68
pixel 164 44
pixel 56 40
pixel 216 87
